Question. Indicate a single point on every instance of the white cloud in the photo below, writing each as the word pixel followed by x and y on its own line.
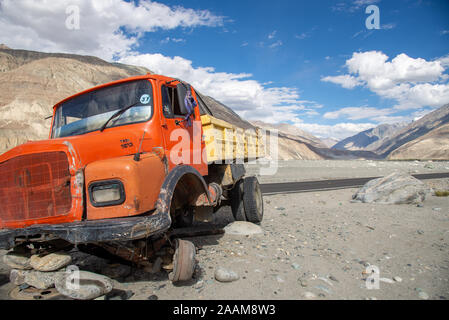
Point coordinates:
pixel 176 40
pixel 338 131
pixel 272 35
pixel 412 83
pixel 346 81
pixel 108 28
pixel 276 44
pixel 249 98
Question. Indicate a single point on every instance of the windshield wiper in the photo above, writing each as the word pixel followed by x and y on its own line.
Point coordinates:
pixel 116 115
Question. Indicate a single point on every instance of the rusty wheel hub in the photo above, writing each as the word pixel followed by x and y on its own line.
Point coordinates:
pixel 183 261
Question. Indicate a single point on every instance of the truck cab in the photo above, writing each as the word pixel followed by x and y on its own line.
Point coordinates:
pixel 124 161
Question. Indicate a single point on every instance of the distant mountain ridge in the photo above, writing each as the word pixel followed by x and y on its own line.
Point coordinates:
pixel 369 139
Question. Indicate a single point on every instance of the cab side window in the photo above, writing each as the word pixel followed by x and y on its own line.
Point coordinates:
pixel 170 103
pixel 167 107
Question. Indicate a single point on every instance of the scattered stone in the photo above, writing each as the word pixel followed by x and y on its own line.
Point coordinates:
pixel 296 266
pixel 423 295
pixel 280 208
pixel 243 228
pixel 397 279
pixel 420 232
pixel 279 279
pixel 396 188
pixel 91 286
pixel 324 288
pixel 199 285
pixel 309 295
pixel 50 262
pixel 119 295
pixel 436 209
pixel 17 261
pixel 36 279
pixel 386 280
pixel 223 275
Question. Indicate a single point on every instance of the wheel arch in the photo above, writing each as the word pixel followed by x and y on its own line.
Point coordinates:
pixel 182 181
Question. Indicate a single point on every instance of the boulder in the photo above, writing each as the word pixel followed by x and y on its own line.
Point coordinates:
pixel 50 262
pixel 224 275
pixel 243 228
pixel 397 188
pixel 90 286
pixel 17 261
pixel 36 279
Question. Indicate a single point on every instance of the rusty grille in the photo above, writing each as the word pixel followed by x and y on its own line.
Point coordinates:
pixel 35 186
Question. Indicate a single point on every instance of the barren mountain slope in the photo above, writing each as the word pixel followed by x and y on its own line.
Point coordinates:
pixel 370 139
pixel 431 146
pixel 414 131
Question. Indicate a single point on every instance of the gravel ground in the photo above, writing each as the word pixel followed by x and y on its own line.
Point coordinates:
pixel 307 170
pixel 316 246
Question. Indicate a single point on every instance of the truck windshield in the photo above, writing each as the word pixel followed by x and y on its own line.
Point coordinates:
pixel 90 111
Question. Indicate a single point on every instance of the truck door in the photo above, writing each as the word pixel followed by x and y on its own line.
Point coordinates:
pixel 183 142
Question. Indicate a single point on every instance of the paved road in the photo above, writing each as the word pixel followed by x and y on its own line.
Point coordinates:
pixel 309 186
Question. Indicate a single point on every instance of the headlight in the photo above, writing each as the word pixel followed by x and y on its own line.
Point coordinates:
pixel 107 193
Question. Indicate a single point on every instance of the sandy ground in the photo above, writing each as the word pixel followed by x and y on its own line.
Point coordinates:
pixel 317 245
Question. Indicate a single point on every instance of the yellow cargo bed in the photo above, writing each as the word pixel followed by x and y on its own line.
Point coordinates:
pixel 226 142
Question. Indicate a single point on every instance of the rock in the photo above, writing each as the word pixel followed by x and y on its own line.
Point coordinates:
pixel 397 279
pixel 119 295
pixel 333 278
pixel 223 275
pixel 36 279
pixel 324 288
pixel 50 262
pixel 17 277
pixel 91 286
pixel 153 297
pixel 386 280
pixel 296 266
pixel 17 261
pixel 309 295
pixel 423 295
pixel 243 228
pixel 397 188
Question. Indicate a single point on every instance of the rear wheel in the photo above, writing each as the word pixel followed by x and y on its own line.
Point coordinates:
pixel 252 200
pixel 238 209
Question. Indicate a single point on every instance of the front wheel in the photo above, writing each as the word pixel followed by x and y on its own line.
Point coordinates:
pixel 252 200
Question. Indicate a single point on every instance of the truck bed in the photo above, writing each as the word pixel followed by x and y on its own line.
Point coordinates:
pixel 226 142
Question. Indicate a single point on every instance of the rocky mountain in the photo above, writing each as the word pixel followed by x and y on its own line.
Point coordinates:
pixel 427 133
pixel 434 145
pixel 330 142
pixel 296 144
pixel 369 140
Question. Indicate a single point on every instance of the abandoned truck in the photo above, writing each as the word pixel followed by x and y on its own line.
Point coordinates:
pixel 127 165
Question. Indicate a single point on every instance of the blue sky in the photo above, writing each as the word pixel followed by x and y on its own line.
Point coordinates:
pixel 313 64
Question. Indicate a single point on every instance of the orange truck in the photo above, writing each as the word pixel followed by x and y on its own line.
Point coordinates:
pixel 126 164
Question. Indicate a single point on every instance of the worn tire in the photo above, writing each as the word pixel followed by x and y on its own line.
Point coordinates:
pixel 252 200
pixel 238 209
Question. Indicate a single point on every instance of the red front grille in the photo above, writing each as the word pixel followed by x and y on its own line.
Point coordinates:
pixel 35 186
